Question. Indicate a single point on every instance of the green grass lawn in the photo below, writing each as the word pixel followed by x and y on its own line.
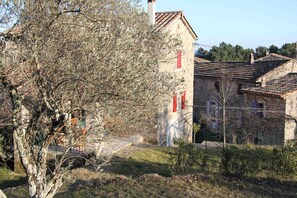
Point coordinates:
pixel 145 171
pixel 10 179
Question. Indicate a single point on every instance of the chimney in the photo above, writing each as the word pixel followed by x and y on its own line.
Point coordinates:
pixel 252 60
pixel 151 11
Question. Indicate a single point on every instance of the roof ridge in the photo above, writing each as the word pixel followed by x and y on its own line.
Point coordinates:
pixel 179 11
pixel 165 19
pixel 282 57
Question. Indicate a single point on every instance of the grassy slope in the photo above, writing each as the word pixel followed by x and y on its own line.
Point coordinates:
pixel 132 173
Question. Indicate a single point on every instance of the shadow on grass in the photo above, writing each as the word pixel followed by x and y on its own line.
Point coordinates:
pixel 133 168
pixel 13 182
pixel 120 186
pixel 263 187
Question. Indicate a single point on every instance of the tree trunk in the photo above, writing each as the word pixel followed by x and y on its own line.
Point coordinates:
pixel 2 195
pixel 224 124
pixel 234 138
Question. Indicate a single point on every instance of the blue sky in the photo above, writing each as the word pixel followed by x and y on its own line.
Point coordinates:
pixel 249 23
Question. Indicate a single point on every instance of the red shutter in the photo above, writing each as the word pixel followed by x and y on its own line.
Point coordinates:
pixel 179 59
pixel 174 102
pixel 183 102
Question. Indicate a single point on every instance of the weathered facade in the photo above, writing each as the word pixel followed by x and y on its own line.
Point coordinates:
pixel 249 116
pixel 175 116
pixel 279 99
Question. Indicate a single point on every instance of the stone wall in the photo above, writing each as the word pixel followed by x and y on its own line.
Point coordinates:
pixel 270 128
pixel 243 123
pixel 291 116
pixel 205 91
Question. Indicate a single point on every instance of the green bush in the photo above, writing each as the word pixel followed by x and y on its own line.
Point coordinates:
pixel 238 162
pixel 188 158
pixel 284 162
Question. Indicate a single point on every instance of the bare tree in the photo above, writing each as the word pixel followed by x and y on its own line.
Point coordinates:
pixel 223 104
pixel 225 93
pixel 63 57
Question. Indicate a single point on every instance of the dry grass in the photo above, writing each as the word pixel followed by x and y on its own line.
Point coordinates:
pixel 144 171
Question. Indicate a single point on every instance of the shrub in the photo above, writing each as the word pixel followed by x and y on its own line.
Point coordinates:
pixel 284 162
pixel 187 159
pixel 239 162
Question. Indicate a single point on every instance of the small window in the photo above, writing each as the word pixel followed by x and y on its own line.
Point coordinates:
pixel 217 86
pixel 239 92
pixel 174 102
pixel 260 108
pixel 179 59
pixel 183 101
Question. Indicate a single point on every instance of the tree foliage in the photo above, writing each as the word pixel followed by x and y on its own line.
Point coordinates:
pixel 228 53
pixel 83 58
pixel 225 53
pixel 288 49
pixel 261 51
pixel 273 49
pixel 202 53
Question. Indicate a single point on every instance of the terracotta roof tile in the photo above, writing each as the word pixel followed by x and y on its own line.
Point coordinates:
pixel 276 87
pixel 165 19
pixel 238 70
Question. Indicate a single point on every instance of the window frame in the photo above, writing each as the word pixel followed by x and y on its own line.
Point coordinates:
pixel 179 59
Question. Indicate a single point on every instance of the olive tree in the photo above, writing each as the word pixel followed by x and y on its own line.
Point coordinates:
pixel 88 56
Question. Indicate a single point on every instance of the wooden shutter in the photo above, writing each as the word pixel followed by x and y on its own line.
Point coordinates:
pixel 179 59
pixel 183 100
pixel 174 102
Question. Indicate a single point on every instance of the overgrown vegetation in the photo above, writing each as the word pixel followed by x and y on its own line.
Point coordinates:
pixel 246 161
pixel 187 159
pixel 280 162
pixel 150 168
pixel 284 161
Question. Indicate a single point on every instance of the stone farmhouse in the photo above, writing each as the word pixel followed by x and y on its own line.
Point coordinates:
pixel 175 117
pixel 258 98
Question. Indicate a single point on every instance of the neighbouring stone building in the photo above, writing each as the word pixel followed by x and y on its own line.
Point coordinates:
pixel 278 98
pixel 258 97
pixel 175 117
pixel 273 57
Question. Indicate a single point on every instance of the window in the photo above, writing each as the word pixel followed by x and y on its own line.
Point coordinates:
pixel 179 59
pixel 239 92
pixel 183 100
pixel 212 114
pixel 217 86
pixel 174 102
pixel 260 108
